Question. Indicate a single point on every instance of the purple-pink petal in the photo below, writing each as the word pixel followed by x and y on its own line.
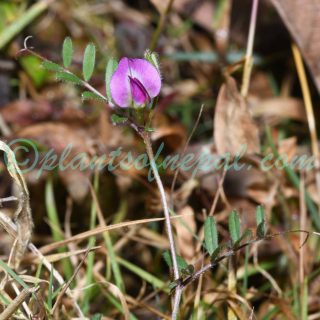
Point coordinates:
pixel 119 85
pixel 134 79
pixel 147 74
pixel 138 91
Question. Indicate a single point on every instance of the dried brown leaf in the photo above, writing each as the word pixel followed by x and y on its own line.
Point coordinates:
pixel 277 109
pixel 185 228
pixel 302 18
pixel 161 5
pixel 234 128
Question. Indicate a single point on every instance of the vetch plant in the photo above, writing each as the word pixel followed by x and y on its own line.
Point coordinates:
pixel 133 84
pixel 132 88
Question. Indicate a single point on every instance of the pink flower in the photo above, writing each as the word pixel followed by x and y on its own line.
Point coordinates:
pixel 134 82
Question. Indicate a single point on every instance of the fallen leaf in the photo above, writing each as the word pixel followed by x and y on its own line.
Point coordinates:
pixel 25 112
pixel 302 18
pixel 57 138
pixel 160 5
pixel 234 128
pixel 274 110
pixel 185 228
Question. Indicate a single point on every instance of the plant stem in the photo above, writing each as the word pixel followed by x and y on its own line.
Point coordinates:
pixel 146 138
pixel 249 60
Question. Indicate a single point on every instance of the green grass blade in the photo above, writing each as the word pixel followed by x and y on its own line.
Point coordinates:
pixel 12 274
pixel 148 277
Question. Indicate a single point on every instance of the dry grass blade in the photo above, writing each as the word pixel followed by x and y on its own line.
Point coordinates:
pixel 97 231
pixel 23 216
pixel 63 255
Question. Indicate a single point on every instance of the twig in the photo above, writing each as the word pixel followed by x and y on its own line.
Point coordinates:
pixel 15 304
pixel 8 199
pixel 24 304
pixel 249 60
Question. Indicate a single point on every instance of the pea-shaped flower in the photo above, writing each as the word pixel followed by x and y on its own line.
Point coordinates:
pixel 134 83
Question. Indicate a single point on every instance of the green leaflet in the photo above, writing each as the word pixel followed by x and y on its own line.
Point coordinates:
pixel 51 66
pixel 234 226
pixel 68 77
pixel 67 52
pixel 89 59
pixel 210 235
